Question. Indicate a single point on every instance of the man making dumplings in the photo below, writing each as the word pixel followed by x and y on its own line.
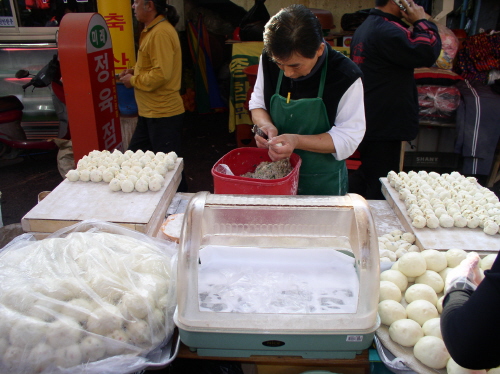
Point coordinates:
pixel 307 99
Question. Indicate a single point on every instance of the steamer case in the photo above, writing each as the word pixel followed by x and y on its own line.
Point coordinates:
pixel 293 222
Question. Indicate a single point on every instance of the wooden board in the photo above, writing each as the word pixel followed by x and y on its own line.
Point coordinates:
pixel 441 238
pixel 72 202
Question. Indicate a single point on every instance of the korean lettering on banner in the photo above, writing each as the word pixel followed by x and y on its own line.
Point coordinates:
pixel 120 28
pixel 244 55
pixel 105 100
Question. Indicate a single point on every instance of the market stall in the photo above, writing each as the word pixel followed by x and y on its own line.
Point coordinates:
pixel 98 282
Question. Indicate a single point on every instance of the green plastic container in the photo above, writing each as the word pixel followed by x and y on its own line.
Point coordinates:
pixel 300 223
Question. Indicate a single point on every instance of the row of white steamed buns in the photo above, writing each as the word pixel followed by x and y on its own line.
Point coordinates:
pixel 129 171
pixel 447 200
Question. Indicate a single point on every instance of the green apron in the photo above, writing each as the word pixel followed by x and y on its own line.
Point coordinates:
pixel 320 173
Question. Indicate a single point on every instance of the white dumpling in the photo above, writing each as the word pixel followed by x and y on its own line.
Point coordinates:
pixel 127 185
pixel 68 356
pixel 115 185
pixel 405 332
pixel 446 221
pixel 108 175
pixel 487 262
pixel 432 327
pixel 396 277
pixel 92 348
pixel 455 256
pixel 421 311
pixel 63 332
pixel 141 185
pixel 412 264
pixel 139 332
pixel 27 332
pixel 12 358
pixel 119 343
pixel 85 175
pixel 432 221
pixel 41 356
pixel 473 221
pixel 105 320
pixel 73 175
pixel 409 237
pixel 459 220
pixel 154 184
pixel 134 304
pixel 414 248
pixel 490 228
pixel 435 260
pixel 432 279
pixel 133 179
pixel 79 309
pixel 419 222
pixel 391 311
pixel 420 291
pixel 432 352
pixel 389 291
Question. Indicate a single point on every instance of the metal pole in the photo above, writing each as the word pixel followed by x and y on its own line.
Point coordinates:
pixel 477 8
pixel 464 10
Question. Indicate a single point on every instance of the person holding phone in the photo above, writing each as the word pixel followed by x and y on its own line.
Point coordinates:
pixel 387 51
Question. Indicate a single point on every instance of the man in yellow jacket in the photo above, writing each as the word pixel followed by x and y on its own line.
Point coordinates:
pixel 156 79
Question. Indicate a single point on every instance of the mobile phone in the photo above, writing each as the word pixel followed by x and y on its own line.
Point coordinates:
pixel 400 5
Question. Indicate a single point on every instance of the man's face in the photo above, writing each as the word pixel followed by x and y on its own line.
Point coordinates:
pixel 297 65
pixel 141 8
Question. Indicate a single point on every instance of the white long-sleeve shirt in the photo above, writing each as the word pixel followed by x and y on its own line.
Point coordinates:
pixel 350 123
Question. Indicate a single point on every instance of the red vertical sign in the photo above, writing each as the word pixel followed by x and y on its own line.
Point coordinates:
pixel 86 57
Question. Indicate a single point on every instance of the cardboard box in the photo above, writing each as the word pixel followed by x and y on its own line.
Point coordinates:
pixel 440 162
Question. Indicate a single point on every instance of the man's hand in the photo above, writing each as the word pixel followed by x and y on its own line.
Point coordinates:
pixel 126 71
pixel 126 80
pixel 466 272
pixel 414 12
pixel 282 146
pixel 270 130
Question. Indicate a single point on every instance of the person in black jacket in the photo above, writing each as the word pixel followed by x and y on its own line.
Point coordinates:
pixel 469 323
pixel 388 51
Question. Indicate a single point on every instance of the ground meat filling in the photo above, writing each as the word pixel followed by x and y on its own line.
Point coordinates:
pixel 271 170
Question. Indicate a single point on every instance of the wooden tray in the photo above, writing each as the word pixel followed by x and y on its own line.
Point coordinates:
pixel 71 202
pixel 441 238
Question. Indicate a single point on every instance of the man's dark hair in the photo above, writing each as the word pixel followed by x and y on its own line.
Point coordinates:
pixel 293 29
pixel 381 2
pixel 167 10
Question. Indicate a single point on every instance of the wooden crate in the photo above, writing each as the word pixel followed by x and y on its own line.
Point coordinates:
pixel 72 202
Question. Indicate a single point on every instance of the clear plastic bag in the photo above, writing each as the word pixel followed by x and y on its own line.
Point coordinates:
pixel 449 48
pixel 438 103
pixel 92 298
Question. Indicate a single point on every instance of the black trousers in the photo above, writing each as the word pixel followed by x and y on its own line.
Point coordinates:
pixel 378 158
pixel 159 135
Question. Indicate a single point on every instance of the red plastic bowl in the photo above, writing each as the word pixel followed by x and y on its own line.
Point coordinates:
pixel 243 160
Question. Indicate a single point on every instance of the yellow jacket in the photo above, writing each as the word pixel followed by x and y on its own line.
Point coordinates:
pixel 158 71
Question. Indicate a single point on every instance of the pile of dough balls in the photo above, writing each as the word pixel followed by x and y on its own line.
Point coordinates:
pixel 447 200
pixel 411 297
pixel 130 171
pixel 80 299
pixel 395 244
